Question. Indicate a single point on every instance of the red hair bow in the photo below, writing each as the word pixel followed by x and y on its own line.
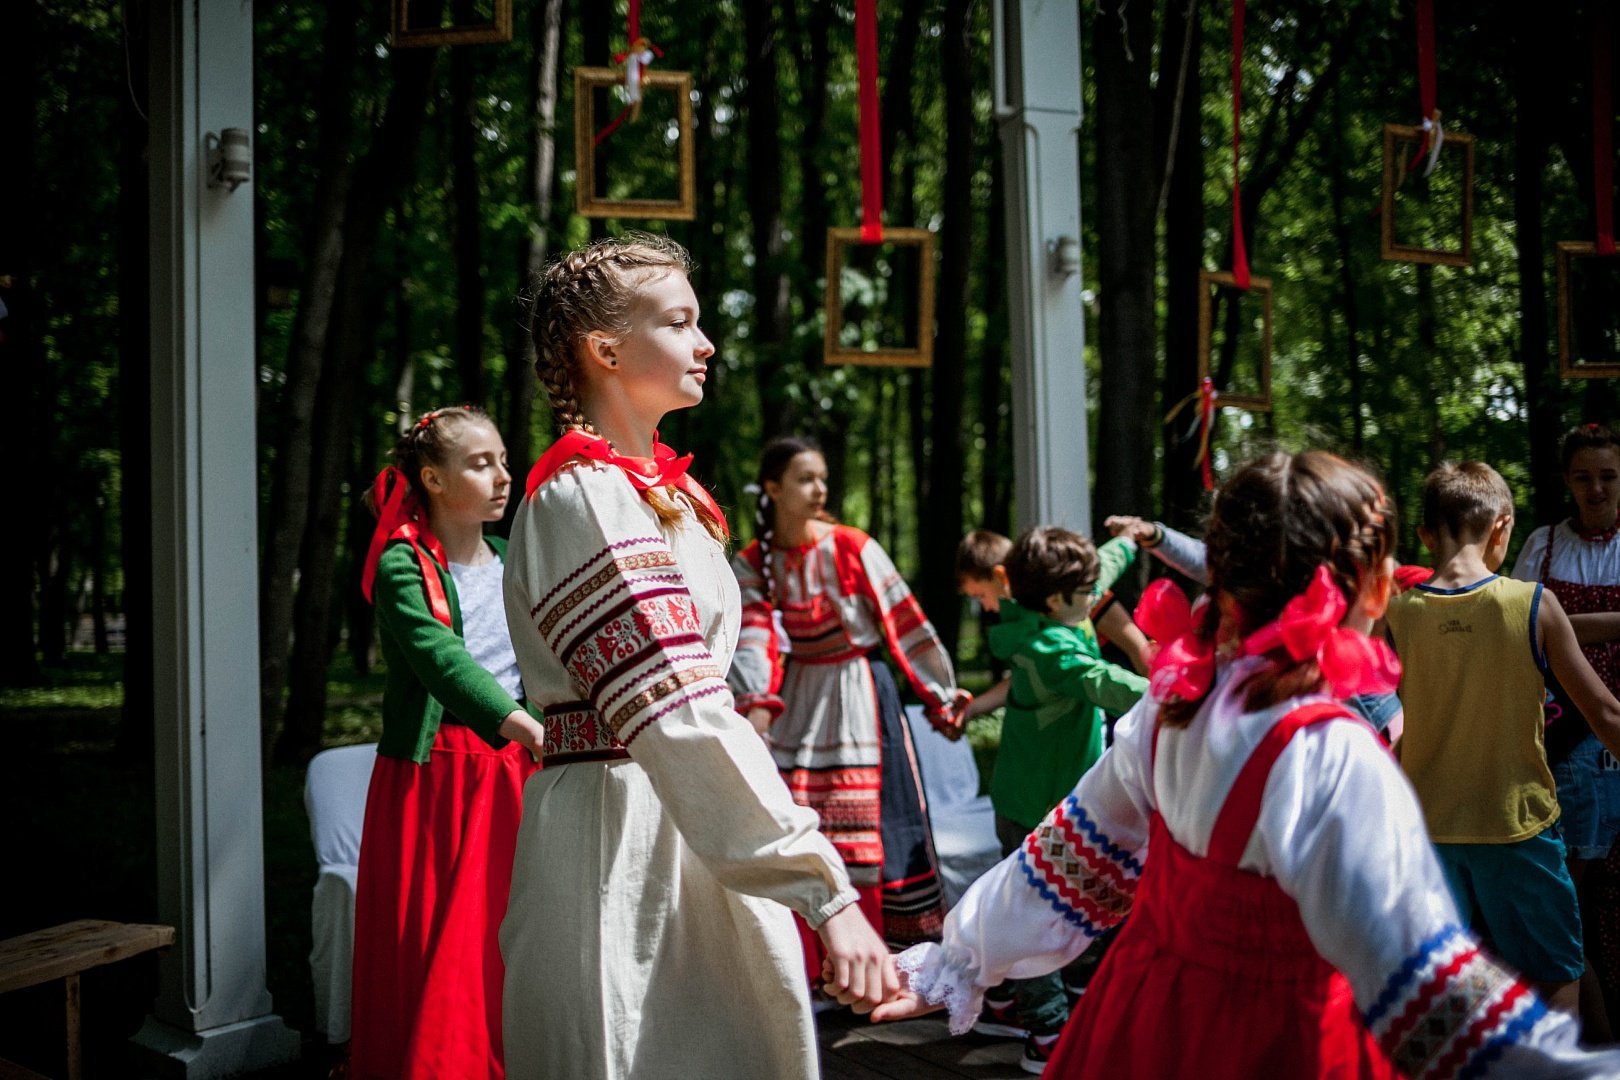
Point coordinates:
pixel 1184 663
pixel 1308 628
pixel 399 517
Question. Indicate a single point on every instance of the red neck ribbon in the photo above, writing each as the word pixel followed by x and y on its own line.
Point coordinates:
pixel 663 469
pixel 1308 628
pixel 1603 127
pixel 866 57
pixel 1240 253
pixel 399 517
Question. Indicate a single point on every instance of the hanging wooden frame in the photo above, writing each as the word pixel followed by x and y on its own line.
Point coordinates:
pixel 1397 136
pixel 834 351
pixel 1208 280
pixel 1571 365
pixel 402 35
pixel 586 124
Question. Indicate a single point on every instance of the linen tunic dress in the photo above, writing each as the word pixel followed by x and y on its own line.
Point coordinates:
pixel 1340 857
pixel 649 931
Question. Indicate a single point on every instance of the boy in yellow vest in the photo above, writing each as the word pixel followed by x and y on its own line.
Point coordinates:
pixel 1474 651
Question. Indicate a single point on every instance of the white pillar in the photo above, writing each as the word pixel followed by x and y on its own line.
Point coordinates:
pixel 1036 46
pixel 213 1015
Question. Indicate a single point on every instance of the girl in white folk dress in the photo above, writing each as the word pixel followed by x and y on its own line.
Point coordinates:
pixel 649 931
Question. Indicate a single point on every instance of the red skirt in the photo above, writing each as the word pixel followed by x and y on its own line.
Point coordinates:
pixel 435 871
pixel 1213 977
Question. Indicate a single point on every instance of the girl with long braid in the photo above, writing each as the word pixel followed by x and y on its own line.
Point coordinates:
pixel 1287 914
pixel 442 810
pixel 660 857
pixel 830 711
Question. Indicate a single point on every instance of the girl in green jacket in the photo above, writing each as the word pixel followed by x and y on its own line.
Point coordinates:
pixel 456 747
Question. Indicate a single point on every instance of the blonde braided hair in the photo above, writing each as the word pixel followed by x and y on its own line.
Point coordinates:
pixel 588 291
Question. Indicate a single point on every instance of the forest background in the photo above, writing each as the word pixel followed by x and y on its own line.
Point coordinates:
pixel 404 197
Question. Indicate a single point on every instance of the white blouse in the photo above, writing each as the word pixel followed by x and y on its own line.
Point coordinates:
pixel 1339 830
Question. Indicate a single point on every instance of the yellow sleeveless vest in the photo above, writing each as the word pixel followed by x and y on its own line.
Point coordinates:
pixel 1472 689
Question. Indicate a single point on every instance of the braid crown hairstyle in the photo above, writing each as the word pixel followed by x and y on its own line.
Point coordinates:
pixel 1273 524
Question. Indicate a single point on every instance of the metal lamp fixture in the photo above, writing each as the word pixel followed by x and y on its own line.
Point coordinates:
pixel 230 158
pixel 1065 256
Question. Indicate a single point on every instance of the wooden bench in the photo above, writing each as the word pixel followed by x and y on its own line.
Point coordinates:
pixel 63 952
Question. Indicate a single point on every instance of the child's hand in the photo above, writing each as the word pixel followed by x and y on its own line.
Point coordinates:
pixel 526 731
pixel 903 1006
pixel 1143 532
pixel 760 719
pixel 859 970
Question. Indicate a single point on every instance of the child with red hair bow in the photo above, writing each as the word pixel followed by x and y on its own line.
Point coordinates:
pixel 1287 913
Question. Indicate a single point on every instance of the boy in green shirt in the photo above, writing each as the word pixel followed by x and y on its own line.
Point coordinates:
pixel 1052 731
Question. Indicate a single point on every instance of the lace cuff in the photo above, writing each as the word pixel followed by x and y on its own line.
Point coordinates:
pixel 942 978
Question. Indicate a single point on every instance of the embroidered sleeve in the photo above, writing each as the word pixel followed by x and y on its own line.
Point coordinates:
pixel 606 596
pixel 911 638
pixel 1039 908
pixel 1343 832
pixel 756 668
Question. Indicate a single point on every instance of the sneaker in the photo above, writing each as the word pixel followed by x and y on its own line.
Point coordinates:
pixel 1037 1052
pixel 1000 1018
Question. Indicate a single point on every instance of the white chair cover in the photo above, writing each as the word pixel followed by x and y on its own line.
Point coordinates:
pixel 335 798
pixel 963 822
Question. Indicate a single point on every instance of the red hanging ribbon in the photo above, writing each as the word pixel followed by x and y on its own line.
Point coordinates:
pixel 1240 254
pixel 1206 423
pixel 663 469
pixel 1603 127
pixel 398 518
pixel 1427 97
pixel 631 58
pixel 866 55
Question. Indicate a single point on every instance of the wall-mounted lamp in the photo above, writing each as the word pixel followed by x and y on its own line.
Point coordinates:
pixel 230 158
pixel 1065 252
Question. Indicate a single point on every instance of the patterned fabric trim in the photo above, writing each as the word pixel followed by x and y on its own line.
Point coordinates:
pixel 575 727
pixel 629 635
pixel 849 803
pixel 1077 871
pixel 1449 1009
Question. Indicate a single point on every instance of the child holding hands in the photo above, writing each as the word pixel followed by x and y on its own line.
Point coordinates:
pixel 1475 649
pixel 1289 917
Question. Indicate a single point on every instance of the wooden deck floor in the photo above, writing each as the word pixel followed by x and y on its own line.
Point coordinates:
pixel 854 1049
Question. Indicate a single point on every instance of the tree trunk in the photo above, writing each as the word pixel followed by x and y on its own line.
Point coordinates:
pixel 948 465
pixel 388 168
pixel 466 227
pixel 769 275
pixel 1530 152
pixel 594 32
pixel 1183 186
pixel 536 249
pixel 1347 282
pixel 1126 198
pixel 288 511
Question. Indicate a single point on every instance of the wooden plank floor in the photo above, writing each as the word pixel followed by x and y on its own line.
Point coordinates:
pixel 854 1049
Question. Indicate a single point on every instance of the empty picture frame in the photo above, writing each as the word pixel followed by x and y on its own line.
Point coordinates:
pixel 1433 220
pixel 1588 312
pixel 880 299
pixel 647 167
pixel 425 24
pixel 1249 382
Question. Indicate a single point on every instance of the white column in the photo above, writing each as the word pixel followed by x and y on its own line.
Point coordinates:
pixel 1036 45
pixel 213 1015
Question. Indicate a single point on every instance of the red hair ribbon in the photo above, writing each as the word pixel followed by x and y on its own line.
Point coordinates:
pixel 1308 628
pixel 663 469
pixel 399 517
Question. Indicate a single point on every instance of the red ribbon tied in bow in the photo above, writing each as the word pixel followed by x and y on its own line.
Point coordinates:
pixel 1184 663
pixel 1308 628
pixel 399 518
pixel 663 469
